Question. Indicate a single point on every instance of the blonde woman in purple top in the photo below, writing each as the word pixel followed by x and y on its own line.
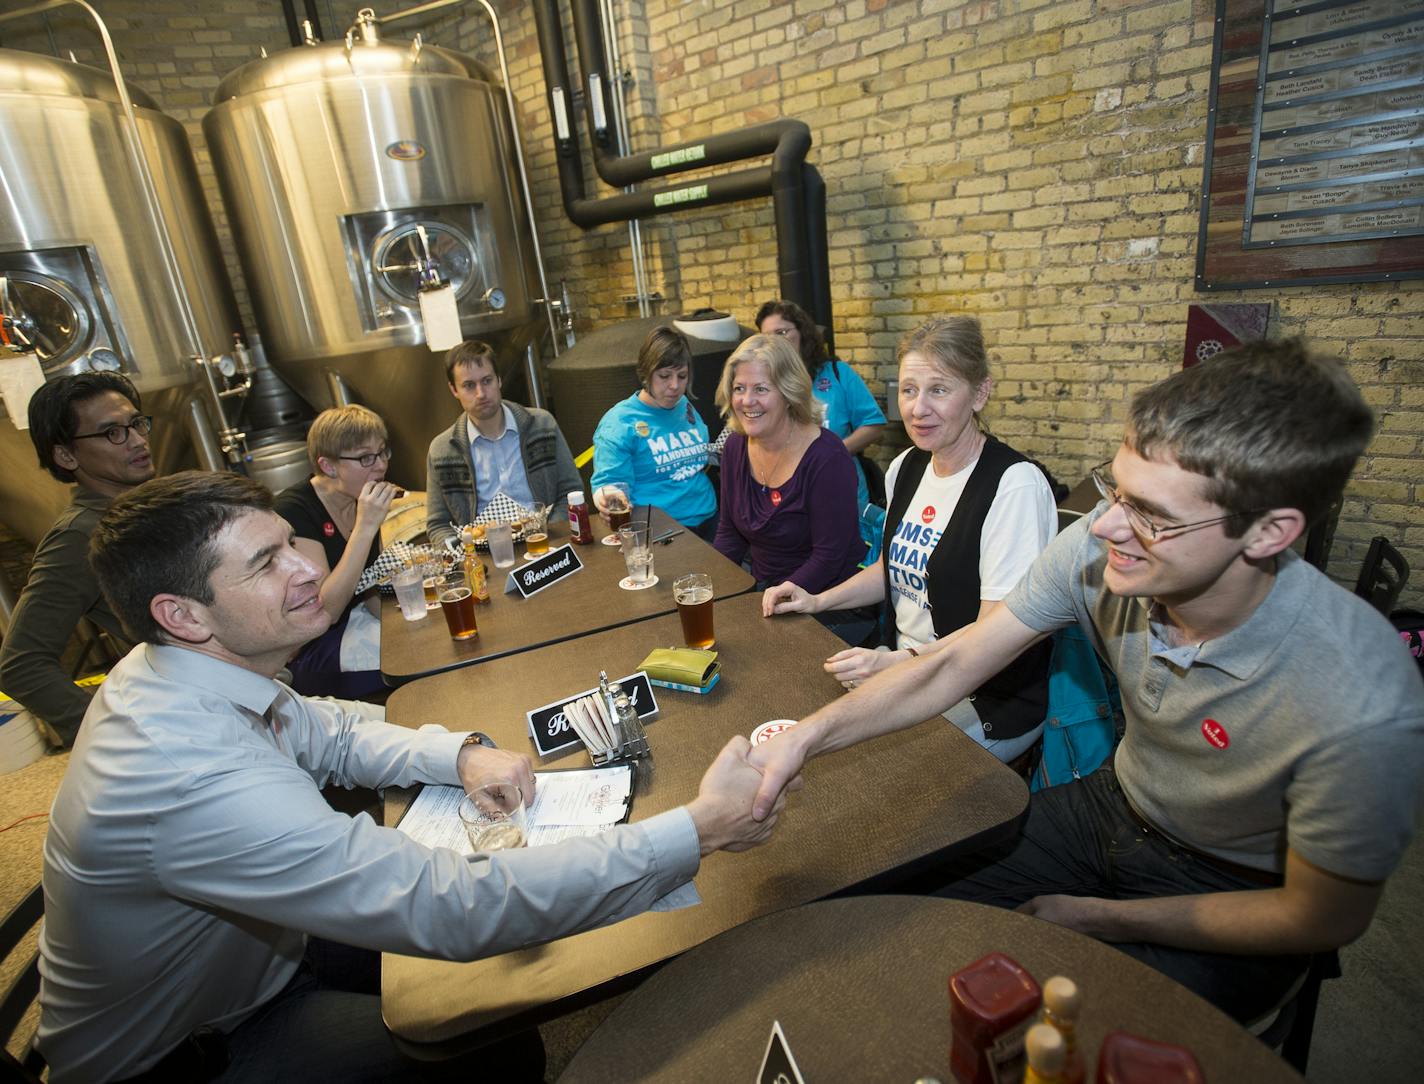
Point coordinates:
pixel 788 485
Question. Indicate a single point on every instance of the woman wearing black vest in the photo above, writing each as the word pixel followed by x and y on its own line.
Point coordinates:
pixel 967 516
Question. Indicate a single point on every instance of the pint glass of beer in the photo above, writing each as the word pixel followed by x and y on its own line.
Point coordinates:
pixel 458 602
pixel 693 593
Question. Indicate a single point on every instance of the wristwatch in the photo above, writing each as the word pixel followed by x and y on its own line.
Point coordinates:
pixel 479 737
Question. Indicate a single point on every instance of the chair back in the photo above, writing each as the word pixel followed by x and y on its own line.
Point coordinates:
pixel 16 1000
pixel 1382 576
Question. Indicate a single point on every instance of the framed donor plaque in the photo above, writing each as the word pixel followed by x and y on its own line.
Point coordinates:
pixel 1315 144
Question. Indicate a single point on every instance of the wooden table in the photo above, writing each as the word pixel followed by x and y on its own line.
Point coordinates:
pixel 588 601
pixel 868 816
pixel 860 987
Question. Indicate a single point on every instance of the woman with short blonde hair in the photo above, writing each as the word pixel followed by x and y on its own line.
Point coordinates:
pixel 788 485
pixel 337 515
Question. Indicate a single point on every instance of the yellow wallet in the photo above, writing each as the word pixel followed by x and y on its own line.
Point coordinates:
pixel 687 666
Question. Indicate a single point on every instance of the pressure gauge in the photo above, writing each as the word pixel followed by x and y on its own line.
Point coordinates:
pixel 494 298
pixel 226 365
pixel 104 360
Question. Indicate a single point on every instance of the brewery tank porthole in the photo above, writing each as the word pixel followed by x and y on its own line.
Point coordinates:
pixel 398 253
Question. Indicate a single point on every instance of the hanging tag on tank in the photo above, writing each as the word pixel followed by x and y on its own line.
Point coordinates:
pixel 441 317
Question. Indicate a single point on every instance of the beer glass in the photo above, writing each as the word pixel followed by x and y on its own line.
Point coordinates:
pixel 536 538
pixel 458 602
pixel 617 506
pixel 693 593
pixel 410 593
pixel 494 817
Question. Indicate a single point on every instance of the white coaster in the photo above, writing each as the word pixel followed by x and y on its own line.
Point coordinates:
pixel 612 540
pixel 629 585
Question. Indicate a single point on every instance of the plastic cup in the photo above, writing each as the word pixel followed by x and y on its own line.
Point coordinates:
pixel 494 818
pixel 410 592
pixel 637 554
pixel 501 543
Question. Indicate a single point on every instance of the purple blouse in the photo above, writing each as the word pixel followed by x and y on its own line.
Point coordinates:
pixel 813 536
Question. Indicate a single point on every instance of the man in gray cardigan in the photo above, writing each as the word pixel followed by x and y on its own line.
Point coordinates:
pixel 493 447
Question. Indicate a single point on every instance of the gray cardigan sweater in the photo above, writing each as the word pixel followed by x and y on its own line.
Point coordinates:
pixel 450 473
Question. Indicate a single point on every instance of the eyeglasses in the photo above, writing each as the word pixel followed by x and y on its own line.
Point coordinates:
pixel 785 331
pixel 368 459
pixel 1139 520
pixel 119 432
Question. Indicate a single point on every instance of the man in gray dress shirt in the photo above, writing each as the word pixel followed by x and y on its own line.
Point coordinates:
pixel 190 853
pixel 1271 771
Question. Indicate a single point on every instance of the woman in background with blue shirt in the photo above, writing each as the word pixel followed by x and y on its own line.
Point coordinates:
pixel 655 443
pixel 851 411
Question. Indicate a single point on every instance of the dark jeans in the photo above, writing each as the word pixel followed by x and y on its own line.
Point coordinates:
pixel 326 1025
pixel 1080 840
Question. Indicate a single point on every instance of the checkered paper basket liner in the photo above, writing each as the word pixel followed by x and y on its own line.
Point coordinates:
pixel 387 563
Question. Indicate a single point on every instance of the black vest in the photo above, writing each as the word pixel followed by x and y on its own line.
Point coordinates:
pixel 1015 700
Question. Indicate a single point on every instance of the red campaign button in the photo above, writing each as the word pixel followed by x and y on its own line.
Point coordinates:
pixel 928 514
pixel 328 528
pixel 1215 733
pixel 775 497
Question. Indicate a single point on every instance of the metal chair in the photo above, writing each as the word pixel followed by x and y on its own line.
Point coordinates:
pixel 1382 576
pixel 21 994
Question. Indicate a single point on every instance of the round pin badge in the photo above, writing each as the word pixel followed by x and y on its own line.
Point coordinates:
pixel 1215 734
pixel 328 528
pixel 641 428
pixel 927 514
pixel 764 733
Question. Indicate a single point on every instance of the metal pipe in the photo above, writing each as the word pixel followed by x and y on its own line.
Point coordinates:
pixel 338 389
pixel 294 29
pixel 818 262
pixel 140 163
pixel 620 130
pixel 200 432
pixel 532 379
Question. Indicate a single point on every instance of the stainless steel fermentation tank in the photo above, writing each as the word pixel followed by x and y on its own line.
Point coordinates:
pixel 84 261
pixel 334 159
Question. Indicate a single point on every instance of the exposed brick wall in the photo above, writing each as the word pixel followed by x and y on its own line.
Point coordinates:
pixel 1035 162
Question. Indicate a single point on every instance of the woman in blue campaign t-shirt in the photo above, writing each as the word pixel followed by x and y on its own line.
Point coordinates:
pixel 655 443
pixel 851 411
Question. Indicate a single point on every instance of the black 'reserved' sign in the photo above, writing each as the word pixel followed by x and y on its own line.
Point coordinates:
pixel 543 571
pixel 552 732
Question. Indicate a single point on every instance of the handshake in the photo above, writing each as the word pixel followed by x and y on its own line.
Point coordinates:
pixel 740 779
pixel 722 810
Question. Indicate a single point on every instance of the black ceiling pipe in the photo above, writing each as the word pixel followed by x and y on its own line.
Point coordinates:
pixel 786 140
pixel 313 17
pixel 744 143
pixel 819 265
pixel 294 26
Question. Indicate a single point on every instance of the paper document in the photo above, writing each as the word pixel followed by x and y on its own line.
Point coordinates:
pixel 566 804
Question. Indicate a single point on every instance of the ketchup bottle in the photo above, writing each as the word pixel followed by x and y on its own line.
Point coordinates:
pixel 989 1000
pixel 579 526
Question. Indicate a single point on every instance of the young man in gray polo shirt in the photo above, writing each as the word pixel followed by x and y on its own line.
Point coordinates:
pixel 1270 774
